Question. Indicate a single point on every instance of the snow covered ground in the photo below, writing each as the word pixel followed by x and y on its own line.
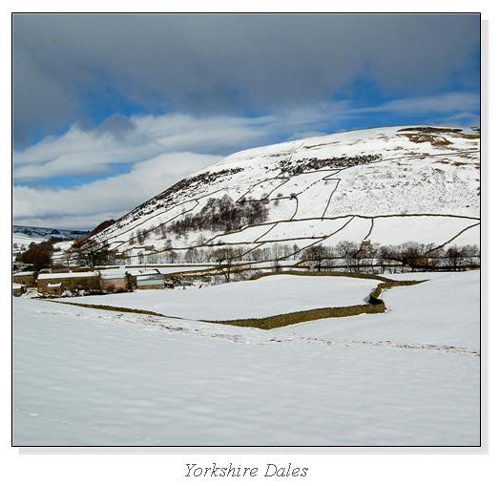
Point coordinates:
pixel 23 240
pixel 267 296
pixel 408 377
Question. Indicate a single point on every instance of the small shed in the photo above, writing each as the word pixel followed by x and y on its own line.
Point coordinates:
pixel 17 289
pixel 55 288
pixel 150 281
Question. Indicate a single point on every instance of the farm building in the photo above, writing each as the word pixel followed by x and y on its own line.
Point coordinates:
pixel 153 276
pixel 118 281
pixel 17 289
pixel 28 279
pixel 69 281
pixel 150 281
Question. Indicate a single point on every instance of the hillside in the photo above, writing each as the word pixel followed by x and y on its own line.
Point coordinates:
pixel 386 185
pixel 24 235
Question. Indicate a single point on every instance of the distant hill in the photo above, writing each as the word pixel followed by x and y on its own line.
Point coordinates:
pixel 24 235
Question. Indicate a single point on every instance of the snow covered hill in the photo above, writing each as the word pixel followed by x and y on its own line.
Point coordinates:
pixel 24 235
pixel 386 185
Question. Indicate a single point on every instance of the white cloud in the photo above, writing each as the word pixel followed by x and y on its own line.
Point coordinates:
pixel 442 103
pixel 89 204
pixel 80 152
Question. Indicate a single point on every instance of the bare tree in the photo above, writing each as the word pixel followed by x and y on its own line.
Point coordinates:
pixel 347 250
pixel 316 254
pixel 369 251
pixel 192 255
pixel 455 256
pixel 413 254
pixel 91 253
pixel 225 258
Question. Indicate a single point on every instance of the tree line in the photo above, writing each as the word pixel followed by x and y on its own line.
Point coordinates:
pixel 393 258
pixel 348 255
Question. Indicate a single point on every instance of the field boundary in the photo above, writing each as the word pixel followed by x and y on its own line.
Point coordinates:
pixel 375 305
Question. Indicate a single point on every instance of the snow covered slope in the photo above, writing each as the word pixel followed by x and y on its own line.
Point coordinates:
pixel 388 185
pixel 24 235
pixel 407 377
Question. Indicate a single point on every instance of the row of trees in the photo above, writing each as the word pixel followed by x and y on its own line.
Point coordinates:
pixel 382 258
pixel 206 254
pixel 346 254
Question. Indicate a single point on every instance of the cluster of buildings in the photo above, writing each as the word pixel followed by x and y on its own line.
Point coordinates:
pixel 55 282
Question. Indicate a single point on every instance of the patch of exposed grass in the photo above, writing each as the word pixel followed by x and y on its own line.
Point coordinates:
pixel 281 320
pixel 432 139
pixel 393 283
pixel 470 136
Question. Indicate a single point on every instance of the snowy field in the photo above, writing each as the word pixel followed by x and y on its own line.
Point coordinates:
pixel 408 377
pixel 267 296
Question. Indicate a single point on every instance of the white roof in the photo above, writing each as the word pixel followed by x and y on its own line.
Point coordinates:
pixel 54 276
pixel 17 286
pixel 142 271
pixel 117 272
pixel 113 276
pixel 153 276
pixel 24 273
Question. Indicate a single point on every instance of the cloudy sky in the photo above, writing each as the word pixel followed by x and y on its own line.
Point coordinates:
pixel 109 110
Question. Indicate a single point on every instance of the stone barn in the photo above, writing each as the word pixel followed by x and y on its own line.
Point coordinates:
pixel 115 282
pixel 28 279
pixel 70 281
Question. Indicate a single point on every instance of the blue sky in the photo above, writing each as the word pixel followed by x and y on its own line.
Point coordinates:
pixel 111 109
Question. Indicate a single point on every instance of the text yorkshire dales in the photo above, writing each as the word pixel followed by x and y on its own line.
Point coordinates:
pixel 233 471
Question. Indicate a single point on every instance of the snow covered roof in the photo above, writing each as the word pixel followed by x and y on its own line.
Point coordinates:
pixel 116 272
pixel 19 274
pixel 17 286
pixel 142 271
pixel 54 276
pixel 113 276
pixel 151 276
pixel 54 285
